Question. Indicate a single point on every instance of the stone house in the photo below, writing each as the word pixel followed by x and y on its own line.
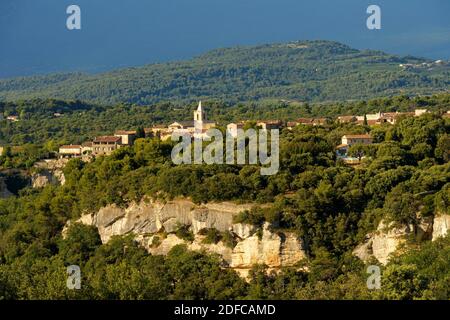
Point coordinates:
pixel 105 145
pixel 127 137
pixel 351 139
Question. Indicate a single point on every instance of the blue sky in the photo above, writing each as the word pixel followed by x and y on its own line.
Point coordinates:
pixel 118 33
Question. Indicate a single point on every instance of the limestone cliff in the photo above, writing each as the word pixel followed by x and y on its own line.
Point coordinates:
pixel 441 226
pixel 48 172
pixel 389 239
pixel 154 225
pixel 273 250
pixel 381 244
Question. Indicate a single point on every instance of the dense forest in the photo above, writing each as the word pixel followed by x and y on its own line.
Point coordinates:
pixel 405 176
pixel 302 71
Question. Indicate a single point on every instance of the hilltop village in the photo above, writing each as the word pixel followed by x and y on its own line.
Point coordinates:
pixel 198 127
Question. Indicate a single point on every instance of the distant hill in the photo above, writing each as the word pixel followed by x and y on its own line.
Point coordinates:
pixel 305 71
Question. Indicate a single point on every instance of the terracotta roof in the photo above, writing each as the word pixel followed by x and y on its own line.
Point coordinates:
pixel 188 124
pixel 125 132
pixel 107 139
pixel 305 120
pixel 341 146
pixel 70 146
pixel 358 136
pixel 370 122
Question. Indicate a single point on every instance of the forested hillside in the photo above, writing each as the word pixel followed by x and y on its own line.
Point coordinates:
pixel 404 178
pixel 305 71
pixel 79 121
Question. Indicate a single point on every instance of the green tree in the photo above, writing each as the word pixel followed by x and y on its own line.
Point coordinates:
pixel 140 133
pixel 402 282
pixel 79 244
pixel 357 150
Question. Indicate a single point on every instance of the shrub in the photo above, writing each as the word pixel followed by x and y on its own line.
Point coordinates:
pixel 184 233
pixel 213 236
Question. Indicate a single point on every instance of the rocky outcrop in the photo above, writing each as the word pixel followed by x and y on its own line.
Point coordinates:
pixel 382 243
pixel 148 217
pixel 172 240
pixel 388 239
pixel 441 226
pixel 243 230
pixel 45 177
pixel 364 250
pixel 272 249
pixel 48 171
pixel 154 225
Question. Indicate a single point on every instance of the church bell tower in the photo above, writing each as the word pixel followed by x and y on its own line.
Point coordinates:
pixel 199 118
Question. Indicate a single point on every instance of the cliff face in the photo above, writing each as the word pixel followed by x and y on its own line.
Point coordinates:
pixel 49 172
pixel 441 226
pixel 147 218
pixel 389 239
pixel 273 250
pixel 385 241
pixel 154 225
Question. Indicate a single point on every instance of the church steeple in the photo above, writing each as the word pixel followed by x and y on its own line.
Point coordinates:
pixel 200 114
